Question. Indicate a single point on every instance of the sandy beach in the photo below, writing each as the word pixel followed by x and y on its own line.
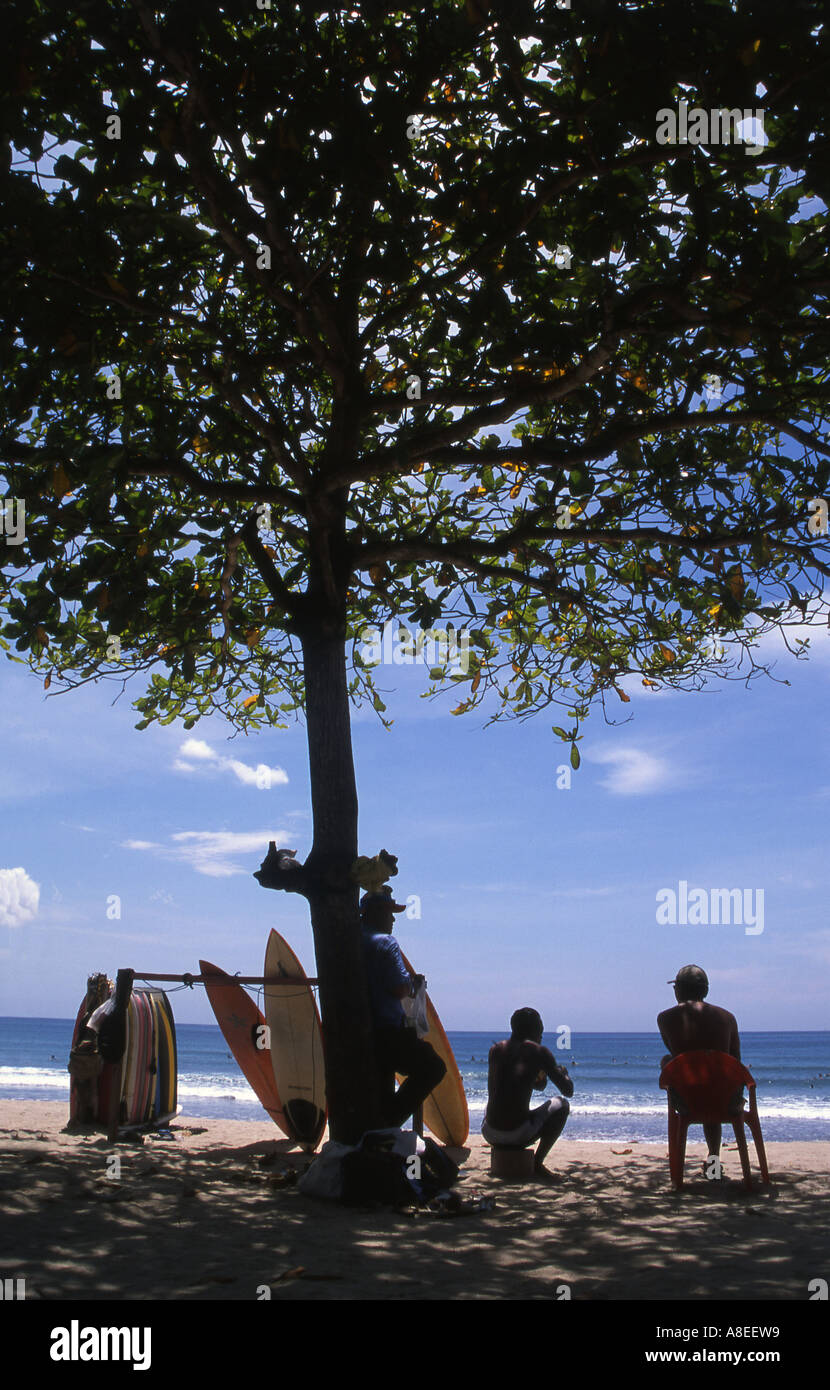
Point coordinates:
pixel 213 1213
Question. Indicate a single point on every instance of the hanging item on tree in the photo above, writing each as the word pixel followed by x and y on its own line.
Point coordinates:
pixel 371 874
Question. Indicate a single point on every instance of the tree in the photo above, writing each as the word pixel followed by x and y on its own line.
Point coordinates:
pixel 316 318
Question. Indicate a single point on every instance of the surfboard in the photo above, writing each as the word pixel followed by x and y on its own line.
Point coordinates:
pixel 155 1098
pixel 168 1058
pixel 147 1063
pixel 146 1076
pixel 131 1063
pixel 73 1092
pixel 159 1056
pixel 239 1018
pixel 445 1108
pixel 296 1045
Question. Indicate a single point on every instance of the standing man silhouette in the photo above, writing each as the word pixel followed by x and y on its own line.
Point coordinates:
pixel 398 1049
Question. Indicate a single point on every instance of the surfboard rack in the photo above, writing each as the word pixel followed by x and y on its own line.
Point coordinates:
pixel 237 979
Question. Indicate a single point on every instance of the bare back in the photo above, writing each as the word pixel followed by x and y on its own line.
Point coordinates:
pixel 515 1068
pixel 695 1025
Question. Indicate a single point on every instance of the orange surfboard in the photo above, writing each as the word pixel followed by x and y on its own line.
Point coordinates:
pixel 445 1108
pixel 239 1018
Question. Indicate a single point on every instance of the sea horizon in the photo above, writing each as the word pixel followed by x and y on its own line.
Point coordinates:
pixel 616 1095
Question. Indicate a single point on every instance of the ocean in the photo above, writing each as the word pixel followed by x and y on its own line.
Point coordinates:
pixel 616 1096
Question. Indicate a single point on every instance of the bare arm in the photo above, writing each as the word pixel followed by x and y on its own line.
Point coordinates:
pixel 398 981
pixel 734 1039
pixel 557 1074
pixel 663 1034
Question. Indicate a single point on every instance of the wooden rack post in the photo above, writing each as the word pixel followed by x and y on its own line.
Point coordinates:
pixel 123 990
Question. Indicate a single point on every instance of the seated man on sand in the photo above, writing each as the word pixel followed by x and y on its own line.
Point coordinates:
pixel 693 1026
pixel 517 1068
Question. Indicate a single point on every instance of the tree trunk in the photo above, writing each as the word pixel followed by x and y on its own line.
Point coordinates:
pixel 350 1066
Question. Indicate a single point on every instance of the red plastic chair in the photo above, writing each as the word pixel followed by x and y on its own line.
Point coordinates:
pixel 704 1084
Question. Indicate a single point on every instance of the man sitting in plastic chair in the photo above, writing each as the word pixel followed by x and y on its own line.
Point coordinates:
pixel 695 1026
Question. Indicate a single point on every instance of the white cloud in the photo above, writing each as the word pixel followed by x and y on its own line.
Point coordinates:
pixel 260 776
pixel 633 771
pixel 19 897
pixel 516 889
pixel 214 852
pixel 773 645
pixel 197 748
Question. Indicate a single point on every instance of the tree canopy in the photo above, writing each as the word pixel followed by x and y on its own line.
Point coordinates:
pixel 430 271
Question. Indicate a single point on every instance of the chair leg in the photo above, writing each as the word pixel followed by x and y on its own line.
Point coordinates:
pixel 740 1136
pixel 677 1147
pixel 759 1148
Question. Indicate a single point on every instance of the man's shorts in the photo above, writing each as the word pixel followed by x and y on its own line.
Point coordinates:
pixel 527 1132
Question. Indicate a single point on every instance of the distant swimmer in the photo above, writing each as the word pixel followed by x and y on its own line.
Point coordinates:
pixel 517 1068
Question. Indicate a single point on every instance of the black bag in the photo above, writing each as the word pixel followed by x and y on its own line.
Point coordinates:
pixel 371 1177
pixel 437 1167
pixel 375 1173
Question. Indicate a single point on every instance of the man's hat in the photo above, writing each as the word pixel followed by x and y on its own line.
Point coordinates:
pixel 691 974
pixel 384 895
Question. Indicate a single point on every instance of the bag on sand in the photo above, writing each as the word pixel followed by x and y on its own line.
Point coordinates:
pixel 397 1168
pixel 325 1176
pixel 391 1167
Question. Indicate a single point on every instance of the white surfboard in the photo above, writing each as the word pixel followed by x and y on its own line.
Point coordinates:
pixel 296 1042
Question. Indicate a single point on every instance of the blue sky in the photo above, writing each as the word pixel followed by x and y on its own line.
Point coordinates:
pixel 530 894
